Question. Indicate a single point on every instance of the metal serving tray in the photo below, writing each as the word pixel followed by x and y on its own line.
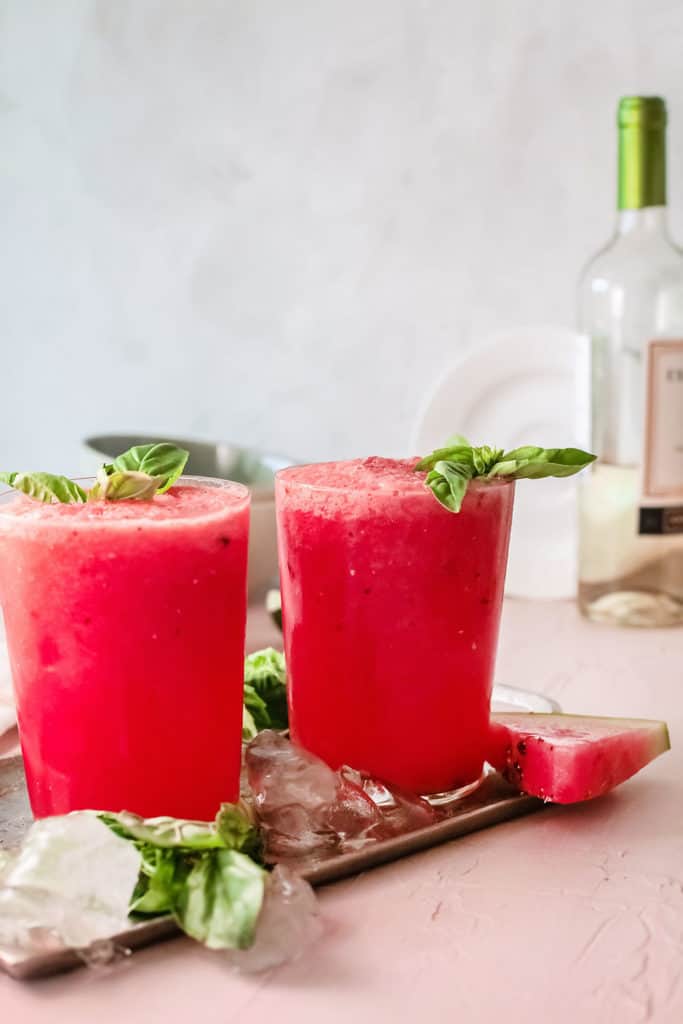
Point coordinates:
pixel 493 801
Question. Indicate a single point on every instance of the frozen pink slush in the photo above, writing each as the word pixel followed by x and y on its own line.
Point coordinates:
pixel 125 625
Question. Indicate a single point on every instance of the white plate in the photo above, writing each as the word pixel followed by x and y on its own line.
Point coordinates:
pixel 523 386
pixel 512 698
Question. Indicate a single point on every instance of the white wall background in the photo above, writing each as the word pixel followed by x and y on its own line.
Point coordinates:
pixel 276 221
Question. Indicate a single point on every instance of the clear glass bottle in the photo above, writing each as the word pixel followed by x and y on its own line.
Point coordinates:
pixel 631 308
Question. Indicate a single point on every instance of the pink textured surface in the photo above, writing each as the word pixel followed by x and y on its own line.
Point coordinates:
pixel 572 914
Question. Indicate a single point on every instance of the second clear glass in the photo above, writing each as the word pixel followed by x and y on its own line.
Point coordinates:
pixel 391 607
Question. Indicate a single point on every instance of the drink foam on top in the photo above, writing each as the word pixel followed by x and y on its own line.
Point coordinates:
pixel 371 474
pixel 375 485
pixel 182 502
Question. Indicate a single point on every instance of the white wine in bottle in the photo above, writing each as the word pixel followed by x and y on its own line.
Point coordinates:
pixel 631 309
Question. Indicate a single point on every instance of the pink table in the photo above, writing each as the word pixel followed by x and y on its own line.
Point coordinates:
pixel 570 914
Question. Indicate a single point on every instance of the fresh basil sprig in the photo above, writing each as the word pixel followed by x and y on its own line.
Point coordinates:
pixel 138 474
pixel 204 873
pixel 163 461
pixel 450 469
pixel 123 486
pixel 265 692
pixel 45 487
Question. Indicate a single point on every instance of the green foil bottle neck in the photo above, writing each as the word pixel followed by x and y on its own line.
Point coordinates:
pixel 642 152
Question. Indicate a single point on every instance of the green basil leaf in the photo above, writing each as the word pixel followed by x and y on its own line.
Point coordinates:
pixel 540 470
pixel 139 473
pixel 46 487
pixel 265 689
pixel 450 469
pixel 484 458
pixel 461 454
pixel 480 459
pixel 161 874
pixel 257 710
pixel 523 454
pixel 537 463
pixel 236 828
pixel 184 871
pixel 249 729
pixel 220 900
pixel 164 461
pixel 449 481
pixel 164 832
pixel 127 486
pixel 504 468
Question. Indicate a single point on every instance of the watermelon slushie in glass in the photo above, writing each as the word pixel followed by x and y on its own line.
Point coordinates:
pixel 391 606
pixel 125 625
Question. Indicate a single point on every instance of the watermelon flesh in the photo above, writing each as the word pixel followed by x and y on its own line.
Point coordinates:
pixel 566 758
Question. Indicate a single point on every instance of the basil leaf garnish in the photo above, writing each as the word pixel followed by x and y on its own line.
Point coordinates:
pixel 249 729
pixel 46 487
pixel 265 688
pixel 168 833
pixel 138 474
pixel 448 481
pixel 535 463
pixel 163 461
pixel 237 830
pixel 123 486
pixel 201 872
pixel 450 469
pixel 220 900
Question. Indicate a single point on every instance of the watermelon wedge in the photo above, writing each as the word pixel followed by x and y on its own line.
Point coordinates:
pixel 566 758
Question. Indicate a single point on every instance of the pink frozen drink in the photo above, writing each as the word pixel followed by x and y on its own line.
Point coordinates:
pixel 125 626
pixel 391 607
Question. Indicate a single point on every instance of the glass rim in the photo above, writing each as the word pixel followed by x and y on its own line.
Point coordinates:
pixel 419 488
pixel 241 491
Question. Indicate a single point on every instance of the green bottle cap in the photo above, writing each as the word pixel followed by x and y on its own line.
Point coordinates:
pixel 642 152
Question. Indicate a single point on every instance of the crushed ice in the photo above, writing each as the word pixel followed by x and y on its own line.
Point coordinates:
pixel 70 883
pixel 309 813
pixel 68 886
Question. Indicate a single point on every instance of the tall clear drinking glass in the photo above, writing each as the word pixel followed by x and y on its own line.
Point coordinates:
pixel 125 626
pixel 391 606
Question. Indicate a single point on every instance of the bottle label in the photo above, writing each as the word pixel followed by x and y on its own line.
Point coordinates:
pixel 661 508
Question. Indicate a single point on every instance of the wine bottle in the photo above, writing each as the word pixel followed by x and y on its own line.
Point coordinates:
pixel 631 310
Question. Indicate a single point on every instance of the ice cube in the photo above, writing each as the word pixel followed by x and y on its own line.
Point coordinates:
pixel 293 832
pixel 69 884
pixel 305 809
pixel 401 812
pixel 308 812
pixel 288 924
pixel 281 774
pixel 353 813
pixel 292 791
